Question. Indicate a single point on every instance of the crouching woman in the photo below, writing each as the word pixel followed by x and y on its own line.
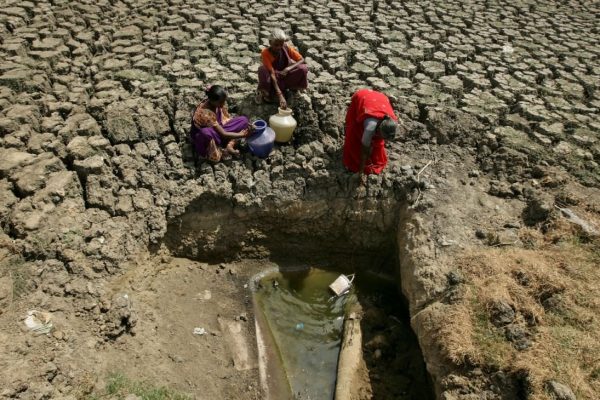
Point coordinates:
pixel 213 129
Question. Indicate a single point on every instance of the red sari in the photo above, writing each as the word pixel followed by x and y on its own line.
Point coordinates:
pixel 366 103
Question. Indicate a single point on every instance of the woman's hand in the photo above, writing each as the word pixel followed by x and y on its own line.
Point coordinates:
pixel 282 102
pixel 235 135
pixel 285 71
pixel 362 179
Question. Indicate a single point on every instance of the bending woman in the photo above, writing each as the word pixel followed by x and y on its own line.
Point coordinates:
pixel 283 68
pixel 213 128
pixel 370 121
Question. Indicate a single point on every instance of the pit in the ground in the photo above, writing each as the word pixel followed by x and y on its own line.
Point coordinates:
pixel 335 234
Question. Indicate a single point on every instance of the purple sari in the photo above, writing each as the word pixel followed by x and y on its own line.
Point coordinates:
pixel 201 136
pixel 294 80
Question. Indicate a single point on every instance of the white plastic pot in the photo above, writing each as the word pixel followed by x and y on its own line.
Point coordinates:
pixel 283 124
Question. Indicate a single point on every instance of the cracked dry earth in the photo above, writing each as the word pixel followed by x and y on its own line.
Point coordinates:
pixel 98 182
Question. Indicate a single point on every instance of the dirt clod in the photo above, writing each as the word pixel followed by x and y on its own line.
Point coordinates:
pixel 560 391
pixel 502 313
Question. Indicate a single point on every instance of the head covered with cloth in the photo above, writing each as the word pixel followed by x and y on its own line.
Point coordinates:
pixel 283 69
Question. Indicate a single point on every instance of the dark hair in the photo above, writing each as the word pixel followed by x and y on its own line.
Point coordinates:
pixel 216 93
pixel 388 127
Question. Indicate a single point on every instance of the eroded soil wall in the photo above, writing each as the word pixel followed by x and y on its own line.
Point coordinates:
pixel 340 229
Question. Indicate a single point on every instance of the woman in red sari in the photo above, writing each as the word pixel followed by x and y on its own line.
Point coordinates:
pixel 370 121
pixel 283 68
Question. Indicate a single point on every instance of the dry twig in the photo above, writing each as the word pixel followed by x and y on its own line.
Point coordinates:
pixel 418 183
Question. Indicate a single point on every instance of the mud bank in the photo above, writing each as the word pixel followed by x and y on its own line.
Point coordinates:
pixel 328 229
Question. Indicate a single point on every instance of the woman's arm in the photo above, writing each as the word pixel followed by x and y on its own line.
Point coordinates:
pixel 291 67
pixel 229 135
pixel 296 57
pixel 370 126
pixel 282 102
pixel 365 152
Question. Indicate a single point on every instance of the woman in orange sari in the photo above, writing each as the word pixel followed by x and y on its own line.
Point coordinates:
pixel 283 68
pixel 370 121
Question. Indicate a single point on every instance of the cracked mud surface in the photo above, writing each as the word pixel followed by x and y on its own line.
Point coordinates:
pixel 95 101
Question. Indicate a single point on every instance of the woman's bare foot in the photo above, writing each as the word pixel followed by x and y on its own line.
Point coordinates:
pixel 263 97
pixel 231 148
pixel 258 97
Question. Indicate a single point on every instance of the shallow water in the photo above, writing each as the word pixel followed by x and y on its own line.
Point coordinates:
pixel 306 322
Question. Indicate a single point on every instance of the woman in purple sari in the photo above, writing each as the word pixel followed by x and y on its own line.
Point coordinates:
pixel 283 68
pixel 213 128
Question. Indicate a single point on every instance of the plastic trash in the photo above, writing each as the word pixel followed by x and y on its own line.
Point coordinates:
pixel 39 322
pixel 199 331
pixel 342 284
pixel 299 326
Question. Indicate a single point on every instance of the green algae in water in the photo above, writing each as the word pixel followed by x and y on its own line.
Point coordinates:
pixel 306 322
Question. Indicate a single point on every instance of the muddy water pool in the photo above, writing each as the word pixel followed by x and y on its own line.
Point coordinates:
pixel 306 323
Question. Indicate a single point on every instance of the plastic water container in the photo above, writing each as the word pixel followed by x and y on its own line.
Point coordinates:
pixel 259 126
pixel 283 124
pixel 342 284
pixel 261 142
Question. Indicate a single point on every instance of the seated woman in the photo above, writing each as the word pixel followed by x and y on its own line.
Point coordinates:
pixel 283 69
pixel 213 128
